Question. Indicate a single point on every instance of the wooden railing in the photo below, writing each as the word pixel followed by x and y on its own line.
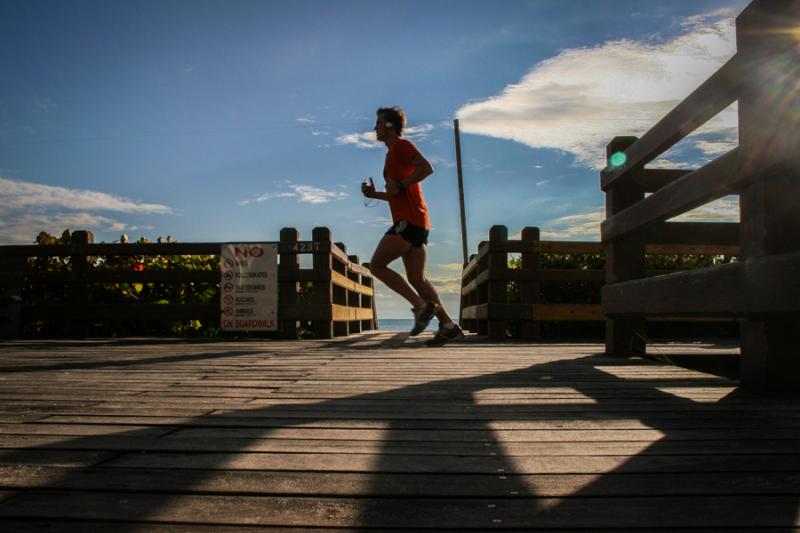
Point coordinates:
pixel 763 289
pixel 339 301
pixel 485 308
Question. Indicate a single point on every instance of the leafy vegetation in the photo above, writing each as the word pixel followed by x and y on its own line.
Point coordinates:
pixel 578 292
pixel 109 293
pixel 588 292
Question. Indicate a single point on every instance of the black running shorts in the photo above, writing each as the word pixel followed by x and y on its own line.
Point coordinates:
pixel 416 235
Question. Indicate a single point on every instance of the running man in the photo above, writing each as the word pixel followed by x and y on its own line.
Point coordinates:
pixel 405 167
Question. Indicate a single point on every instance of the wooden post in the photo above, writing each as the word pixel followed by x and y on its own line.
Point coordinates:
pixel 340 294
pixel 323 290
pixel 370 282
pixel 769 124
pixel 498 260
pixel 79 290
pixel 482 294
pixel 288 284
pixel 529 291
pixel 470 300
pixel 625 336
pixel 12 269
pixel 354 298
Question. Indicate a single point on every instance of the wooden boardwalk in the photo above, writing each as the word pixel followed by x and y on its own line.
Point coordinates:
pixel 376 431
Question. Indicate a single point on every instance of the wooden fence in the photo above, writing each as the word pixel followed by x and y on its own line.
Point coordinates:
pixel 485 308
pixel 338 301
pixel 763 288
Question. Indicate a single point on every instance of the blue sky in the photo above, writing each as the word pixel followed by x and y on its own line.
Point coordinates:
pixel 226 121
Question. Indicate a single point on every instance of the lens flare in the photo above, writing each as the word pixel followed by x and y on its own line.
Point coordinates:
pixel 617 159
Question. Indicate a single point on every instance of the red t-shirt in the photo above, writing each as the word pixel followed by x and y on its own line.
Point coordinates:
pixel 408 204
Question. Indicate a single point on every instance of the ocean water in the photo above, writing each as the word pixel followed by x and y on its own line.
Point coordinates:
pixel 403 324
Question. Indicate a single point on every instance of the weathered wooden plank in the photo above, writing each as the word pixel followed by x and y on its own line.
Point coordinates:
pixel 81 429
pixel 344 313
pixel 8 418
pixel 180 312
pixel 653 179
pixel 255 428
pixel 58 525
pixel 44 457
pixel 591 513
pixel 459 464
pixel 120 311
pixel 400 485
pixel 567 247
pixel 692 249
pixel 101 249
pixel 365 426
pixel 129 276
pixel 563 312
pixel 332 312
pixel 350 285
pixel 12 279
pixel 187 441
pixel 725 175
pixel 743 288
pixel 692 236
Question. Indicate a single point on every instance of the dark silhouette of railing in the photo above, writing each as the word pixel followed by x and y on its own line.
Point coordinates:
pixel 485 305
pixel 333 298
pixel 763 288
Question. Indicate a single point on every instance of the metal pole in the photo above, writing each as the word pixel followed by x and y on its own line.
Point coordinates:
pixel 461 193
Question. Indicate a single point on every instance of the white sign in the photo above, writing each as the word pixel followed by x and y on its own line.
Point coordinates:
pixel 249 287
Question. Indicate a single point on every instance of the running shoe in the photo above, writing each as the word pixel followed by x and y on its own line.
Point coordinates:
pixel 444 336
pixel 422 317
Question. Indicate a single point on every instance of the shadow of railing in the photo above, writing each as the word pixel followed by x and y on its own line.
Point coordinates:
pixel 589 463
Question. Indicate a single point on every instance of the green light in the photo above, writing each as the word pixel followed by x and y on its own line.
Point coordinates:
pixel 617 159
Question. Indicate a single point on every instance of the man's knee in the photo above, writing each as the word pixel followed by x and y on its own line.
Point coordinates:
pixel 376 268
pixel 417 281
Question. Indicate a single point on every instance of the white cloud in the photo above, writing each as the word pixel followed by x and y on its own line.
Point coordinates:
pixel 368 140
pixel 441 161
pixel 29 195
pixel 315 195
pixel 418 133
pixel 584 225
pixel 722 210
pixel 580 99
pixel 453 267
pixel 268 196
pixel 364 140
pixel 450 284
pixel 28 208
pixel 303 193
pixel 719 146
pixel 23 228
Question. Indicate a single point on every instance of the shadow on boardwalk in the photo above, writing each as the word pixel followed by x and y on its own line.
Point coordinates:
pixel 730 463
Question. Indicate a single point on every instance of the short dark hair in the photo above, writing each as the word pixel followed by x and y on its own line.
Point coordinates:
pixel 396 116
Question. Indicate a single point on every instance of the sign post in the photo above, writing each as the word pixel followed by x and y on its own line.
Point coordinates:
pixel 249 287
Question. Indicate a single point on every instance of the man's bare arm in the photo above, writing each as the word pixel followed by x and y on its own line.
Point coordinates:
pixel 422 169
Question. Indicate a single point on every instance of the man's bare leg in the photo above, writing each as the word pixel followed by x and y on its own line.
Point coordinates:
pixel 390 248
pixel 414 261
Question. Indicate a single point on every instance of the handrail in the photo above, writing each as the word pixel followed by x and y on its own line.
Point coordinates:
pixel 764 170
pixel 342 292
pixel 485 310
